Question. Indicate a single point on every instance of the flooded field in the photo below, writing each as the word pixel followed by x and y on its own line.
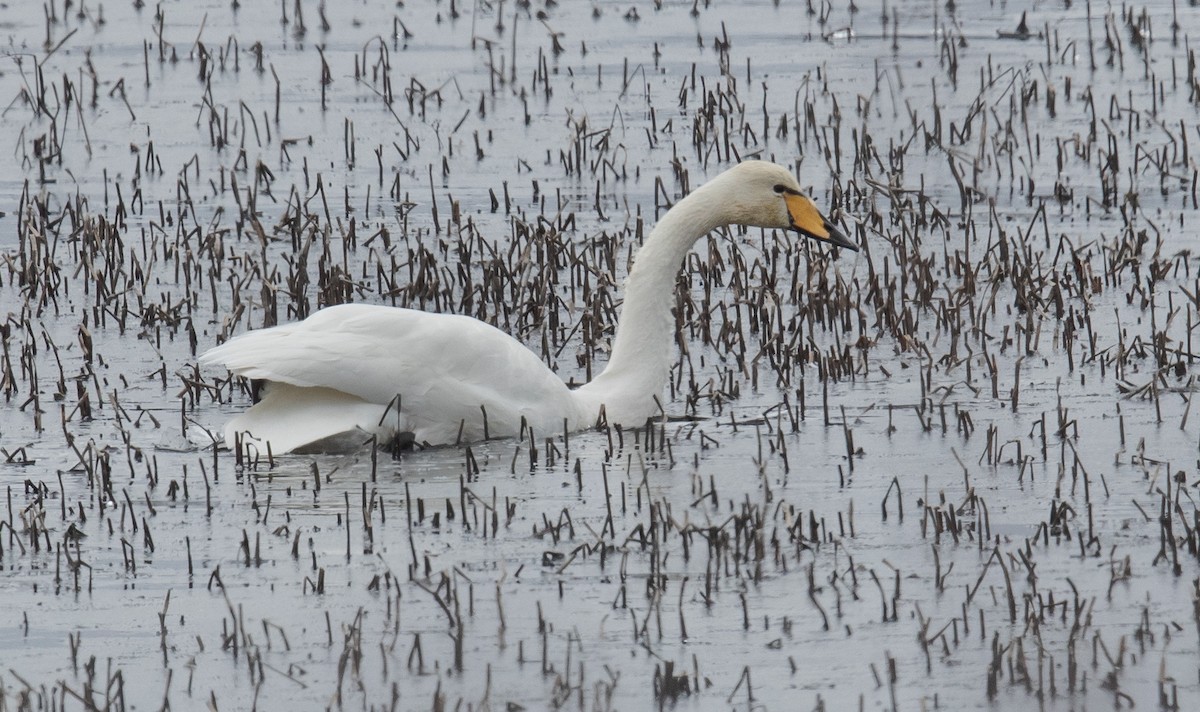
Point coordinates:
pixel 954 470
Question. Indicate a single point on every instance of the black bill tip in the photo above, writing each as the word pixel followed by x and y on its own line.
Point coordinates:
pixel 836 237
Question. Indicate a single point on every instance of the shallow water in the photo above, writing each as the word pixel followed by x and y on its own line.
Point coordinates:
pixel 746 549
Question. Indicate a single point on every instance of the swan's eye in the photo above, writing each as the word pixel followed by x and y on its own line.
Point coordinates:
pixel 779 189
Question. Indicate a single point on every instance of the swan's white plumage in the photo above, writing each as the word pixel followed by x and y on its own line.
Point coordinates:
pixel 439 368
pixel 330 378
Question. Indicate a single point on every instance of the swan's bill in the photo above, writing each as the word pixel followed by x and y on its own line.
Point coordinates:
pixel 807 220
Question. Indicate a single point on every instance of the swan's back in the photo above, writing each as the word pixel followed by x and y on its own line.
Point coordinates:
pixel 336 373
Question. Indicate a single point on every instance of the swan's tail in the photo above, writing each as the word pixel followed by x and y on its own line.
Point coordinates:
pixel 296 419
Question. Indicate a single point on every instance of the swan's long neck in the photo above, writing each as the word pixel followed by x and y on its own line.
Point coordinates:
pixel 640 363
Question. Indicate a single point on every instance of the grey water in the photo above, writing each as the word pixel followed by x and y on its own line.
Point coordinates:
pixel 953 470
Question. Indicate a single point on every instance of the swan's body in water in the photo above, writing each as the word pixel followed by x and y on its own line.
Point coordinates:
pixel 354 371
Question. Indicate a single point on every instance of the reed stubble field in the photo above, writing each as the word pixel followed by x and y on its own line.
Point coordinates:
pixel 954 470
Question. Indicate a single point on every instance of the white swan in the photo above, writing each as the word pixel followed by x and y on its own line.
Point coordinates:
pixel 352 371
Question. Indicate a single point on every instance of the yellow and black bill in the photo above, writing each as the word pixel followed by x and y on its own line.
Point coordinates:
pixel 808 221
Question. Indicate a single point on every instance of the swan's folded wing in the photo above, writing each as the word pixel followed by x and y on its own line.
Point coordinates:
pixel 442 367
pixel 343 348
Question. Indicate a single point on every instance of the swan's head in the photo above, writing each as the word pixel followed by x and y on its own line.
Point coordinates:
pixel 762 194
